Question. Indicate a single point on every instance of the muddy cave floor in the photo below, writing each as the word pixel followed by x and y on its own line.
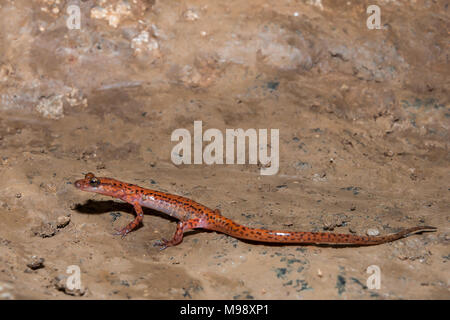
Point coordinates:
pixel 363 120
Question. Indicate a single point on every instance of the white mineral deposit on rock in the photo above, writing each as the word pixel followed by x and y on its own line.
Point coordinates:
pixel 51 107
pixel 191 15
pixel 113 14
pixel 144 42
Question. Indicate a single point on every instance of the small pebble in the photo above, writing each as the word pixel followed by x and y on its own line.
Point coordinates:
pixel 36 263
pixel 373 232
pixel 62 221
pixel 45 230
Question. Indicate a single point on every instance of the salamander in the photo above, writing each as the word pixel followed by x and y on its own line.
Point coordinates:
pixel 193 215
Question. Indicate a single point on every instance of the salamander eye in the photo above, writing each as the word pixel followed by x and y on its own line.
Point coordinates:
pixel 89 176
pixel 94 182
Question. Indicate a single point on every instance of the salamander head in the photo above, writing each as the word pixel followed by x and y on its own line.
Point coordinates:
pixel 89 183
pixel 95 184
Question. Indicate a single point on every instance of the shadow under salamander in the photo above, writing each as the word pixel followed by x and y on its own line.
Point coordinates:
pixel 104 206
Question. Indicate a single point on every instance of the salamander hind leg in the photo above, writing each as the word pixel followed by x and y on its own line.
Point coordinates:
pixel 133 224
pixel 178 236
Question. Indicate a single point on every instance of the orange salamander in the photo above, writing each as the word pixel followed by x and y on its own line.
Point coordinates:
pixel 192 215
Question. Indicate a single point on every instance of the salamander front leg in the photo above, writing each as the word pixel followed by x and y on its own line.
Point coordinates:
pixel 133 224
